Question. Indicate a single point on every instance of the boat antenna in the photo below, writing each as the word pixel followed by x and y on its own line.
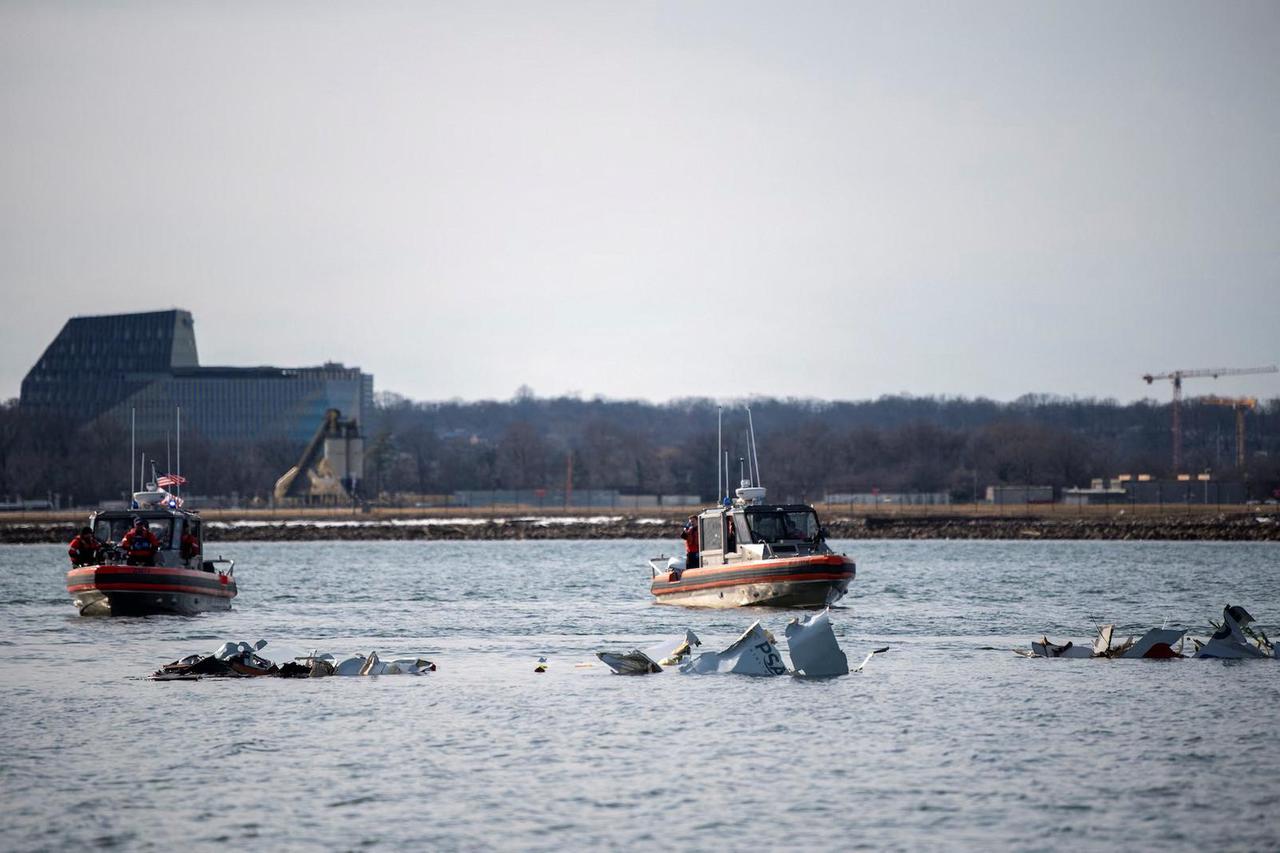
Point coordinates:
pixel 168 455
pixel 755 460
pixel 719 443
pixel 133 447
pixel 178 420
pixel 726 477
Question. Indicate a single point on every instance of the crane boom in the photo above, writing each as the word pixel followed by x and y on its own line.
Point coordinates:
pixel 1215 372
pixel 1176 376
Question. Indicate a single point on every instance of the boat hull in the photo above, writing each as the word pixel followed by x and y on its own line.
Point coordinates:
pixel 148 590
pixel 802 582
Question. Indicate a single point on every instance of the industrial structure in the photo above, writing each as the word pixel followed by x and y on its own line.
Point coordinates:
pixel 116 367
pixel 332 466
pixel 1176 377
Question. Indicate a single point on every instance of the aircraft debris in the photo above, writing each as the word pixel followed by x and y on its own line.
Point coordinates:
pixel 1231 639
pixel 751 654
pixel 240 660
pixel 869 656
pixel 652 659
pixel 814 650
pixel 634 662
pixel 1154 644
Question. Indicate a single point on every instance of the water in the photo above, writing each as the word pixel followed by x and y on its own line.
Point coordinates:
pixel 948 741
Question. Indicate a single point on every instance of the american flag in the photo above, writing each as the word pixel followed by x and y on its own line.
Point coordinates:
pixel 166 480
pixel 172 499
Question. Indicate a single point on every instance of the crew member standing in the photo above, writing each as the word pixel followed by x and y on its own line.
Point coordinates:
pixel 83 550
pixel 190 547
pixel 690 537
pixel 140 544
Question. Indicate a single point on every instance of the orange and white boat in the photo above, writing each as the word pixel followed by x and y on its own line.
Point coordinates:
pixel 171 583
pixel 751 553
pixel 756 554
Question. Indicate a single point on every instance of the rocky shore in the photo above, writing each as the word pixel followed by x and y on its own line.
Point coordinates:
pixel 1233 528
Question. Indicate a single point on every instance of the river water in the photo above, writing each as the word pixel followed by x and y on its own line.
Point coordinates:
pixel 948 741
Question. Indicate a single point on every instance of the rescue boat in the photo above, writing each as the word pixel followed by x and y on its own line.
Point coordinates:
pixel 752 554
pixel 171 584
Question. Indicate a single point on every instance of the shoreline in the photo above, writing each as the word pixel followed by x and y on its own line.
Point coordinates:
pixel 231 527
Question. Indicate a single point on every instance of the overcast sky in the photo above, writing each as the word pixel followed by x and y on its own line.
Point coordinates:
pixel 649 199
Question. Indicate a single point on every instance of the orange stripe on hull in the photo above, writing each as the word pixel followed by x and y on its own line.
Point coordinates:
pixel 784 578
pixel 125 586
pixel 96 571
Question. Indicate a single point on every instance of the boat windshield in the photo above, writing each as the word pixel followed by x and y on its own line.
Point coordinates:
pixel 778 524
pixel 113 529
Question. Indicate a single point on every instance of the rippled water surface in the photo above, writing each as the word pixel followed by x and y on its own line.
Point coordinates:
pixel 948 741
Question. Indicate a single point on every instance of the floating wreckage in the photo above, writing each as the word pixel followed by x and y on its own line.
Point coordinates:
pixel 1156 644
pixel 814 650
pixel 1231 640
pixel 751 654
pixel 371 665
pixel 231 660
pixel 241 660
pixel 812 643
pixel 653 659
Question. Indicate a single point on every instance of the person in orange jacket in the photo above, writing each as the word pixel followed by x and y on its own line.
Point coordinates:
pixel 690 537
pixel 140 544
pixel 83 550
pixel 190 548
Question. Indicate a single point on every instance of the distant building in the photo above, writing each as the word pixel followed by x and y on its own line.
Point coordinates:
pixel 106 367
pixel 1094 496
pixel 1000 495
pixel 894 498
pixel 1184 492
pixel 1145 490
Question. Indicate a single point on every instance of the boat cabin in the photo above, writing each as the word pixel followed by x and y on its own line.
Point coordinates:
pixel 728 534
pixel 169 524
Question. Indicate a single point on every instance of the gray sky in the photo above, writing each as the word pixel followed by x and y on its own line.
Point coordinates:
pixel 642 199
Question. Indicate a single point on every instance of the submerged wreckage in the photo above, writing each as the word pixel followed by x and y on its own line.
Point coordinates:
pixel 241 660
pixel 1233 639
pixel 814 653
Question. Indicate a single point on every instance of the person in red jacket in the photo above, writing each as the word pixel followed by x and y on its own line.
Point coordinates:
pixel 140 544
pixel 190 548
pixel 690 537
pixel 83 550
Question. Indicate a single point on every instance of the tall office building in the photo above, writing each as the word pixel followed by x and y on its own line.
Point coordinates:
pixel 113 366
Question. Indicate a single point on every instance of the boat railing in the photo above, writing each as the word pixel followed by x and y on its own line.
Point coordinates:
pixel 212 565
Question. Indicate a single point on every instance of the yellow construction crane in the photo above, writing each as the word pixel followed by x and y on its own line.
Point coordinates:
pixel 1239 404
pixel 1176 376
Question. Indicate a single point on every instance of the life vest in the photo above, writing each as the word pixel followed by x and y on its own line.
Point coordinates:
pixel 82 549
pixel 140 543
pixel 190 546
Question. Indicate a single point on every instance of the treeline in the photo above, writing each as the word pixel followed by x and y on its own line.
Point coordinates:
pixel 807 448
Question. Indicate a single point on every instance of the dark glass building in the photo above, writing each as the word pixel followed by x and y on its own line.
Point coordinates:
pixel 112 366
